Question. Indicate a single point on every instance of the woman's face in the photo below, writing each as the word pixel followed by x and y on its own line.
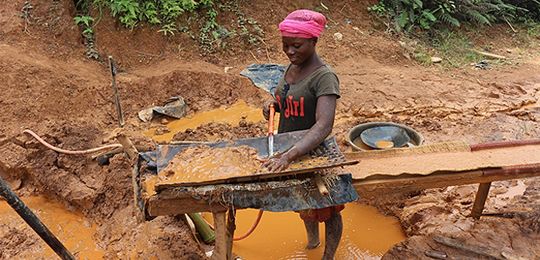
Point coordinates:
pixel 298 49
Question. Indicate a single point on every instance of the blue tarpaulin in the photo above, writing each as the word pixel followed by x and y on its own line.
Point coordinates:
pixel 264 76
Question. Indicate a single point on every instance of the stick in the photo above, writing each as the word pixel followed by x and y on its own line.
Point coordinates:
pixel 33 221
pixel 115 90
pixel 509 24
pixel 253 55
pixel 487 54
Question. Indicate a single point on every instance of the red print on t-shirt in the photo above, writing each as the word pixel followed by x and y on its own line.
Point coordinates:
pixel 293 107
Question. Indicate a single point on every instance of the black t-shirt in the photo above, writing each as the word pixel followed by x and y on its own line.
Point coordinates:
pixel 298 102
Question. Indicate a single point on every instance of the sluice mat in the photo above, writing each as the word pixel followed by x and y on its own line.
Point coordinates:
pixel 327 155
pixel 441 157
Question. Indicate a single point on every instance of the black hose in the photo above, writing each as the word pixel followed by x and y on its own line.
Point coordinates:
pixel 33 221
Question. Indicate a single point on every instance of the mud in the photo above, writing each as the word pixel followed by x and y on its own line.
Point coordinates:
pixel 50 87
pixel 222 131
pixel 203 164
pixel 226 123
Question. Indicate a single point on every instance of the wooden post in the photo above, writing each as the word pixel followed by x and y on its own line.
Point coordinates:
pixel 224 234
pixel 480 200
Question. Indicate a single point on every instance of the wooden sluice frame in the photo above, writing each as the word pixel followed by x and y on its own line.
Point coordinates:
pixel 169 202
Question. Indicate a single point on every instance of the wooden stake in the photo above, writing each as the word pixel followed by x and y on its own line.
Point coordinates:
pixel 119 112
pixel 480 200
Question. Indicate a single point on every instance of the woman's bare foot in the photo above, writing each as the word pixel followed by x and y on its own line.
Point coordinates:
pixel 313 246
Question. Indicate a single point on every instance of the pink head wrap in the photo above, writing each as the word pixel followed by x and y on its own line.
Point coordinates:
pixel 303 24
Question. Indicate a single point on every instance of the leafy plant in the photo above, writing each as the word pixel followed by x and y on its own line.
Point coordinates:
pixel 86 22
pixel 379 9
pixel 167 29
pixel 410 14
pixel 169 15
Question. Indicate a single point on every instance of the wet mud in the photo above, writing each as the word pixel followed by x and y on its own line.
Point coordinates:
pixel 203 164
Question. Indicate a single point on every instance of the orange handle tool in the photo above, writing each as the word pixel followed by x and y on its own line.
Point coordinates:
pixel 271 120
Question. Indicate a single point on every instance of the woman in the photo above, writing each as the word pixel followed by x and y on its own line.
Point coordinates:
pixel 306 99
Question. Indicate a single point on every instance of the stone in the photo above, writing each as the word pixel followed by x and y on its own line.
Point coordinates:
pixel 338 36
pixel 436 59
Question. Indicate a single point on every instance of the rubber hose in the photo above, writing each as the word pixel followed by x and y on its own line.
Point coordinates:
pixel 76 152
pixel 253 227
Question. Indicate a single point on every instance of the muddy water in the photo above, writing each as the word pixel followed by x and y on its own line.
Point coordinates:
pixel 231 115
pixel 73 230
pixel 367 234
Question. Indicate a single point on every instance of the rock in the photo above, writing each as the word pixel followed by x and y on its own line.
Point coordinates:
pixel 226 69
pixel 161 130
pixel 436 254
pixel 338 36
pixel 436 59
pixel 16 184
pixel 164 121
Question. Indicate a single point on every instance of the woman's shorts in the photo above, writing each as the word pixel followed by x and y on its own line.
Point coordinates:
pixel 320 215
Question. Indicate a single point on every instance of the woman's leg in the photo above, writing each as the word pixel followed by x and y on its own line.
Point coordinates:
pixel 312 230
pixel 334 229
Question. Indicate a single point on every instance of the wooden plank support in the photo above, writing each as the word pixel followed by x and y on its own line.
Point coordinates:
pixel 480 200
pixel 409 183
pixel 224 225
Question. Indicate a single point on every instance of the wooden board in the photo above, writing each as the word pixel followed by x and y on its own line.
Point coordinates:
pixel 438 158
pixel 162 185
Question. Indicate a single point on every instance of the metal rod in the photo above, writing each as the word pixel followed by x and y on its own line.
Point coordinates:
pixel 480 200
pixel 33 221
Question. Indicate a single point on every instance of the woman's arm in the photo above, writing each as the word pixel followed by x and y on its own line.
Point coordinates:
pixel 324 116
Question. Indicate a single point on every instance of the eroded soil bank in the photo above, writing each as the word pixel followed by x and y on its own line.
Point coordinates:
pixel 50 87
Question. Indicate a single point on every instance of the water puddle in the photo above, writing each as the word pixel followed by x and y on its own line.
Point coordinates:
pixel 231 115
pixel 71 228
pixel 367 234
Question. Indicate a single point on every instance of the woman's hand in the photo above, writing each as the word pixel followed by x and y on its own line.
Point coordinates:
pixel 278 163
pixel 266 108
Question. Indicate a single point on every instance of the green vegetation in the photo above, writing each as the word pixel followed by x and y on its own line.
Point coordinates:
pixel 432 23
pixel 410 15
pixel 176 16
pixel 86 22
